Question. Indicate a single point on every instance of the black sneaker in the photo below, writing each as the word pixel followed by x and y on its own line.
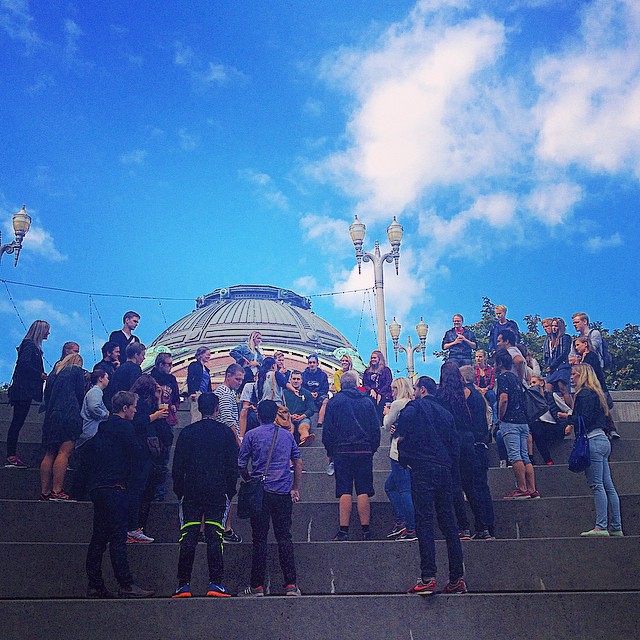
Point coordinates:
pixel 99 593
pixel 483 535
pixel 464 534
pixel 366 535
pixel 408 536
pixel 398 529
pixel 341 536
pixel 232 537
pixel 134 591
pixel 13 462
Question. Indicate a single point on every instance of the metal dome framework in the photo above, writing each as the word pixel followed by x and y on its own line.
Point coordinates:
pixel 225 317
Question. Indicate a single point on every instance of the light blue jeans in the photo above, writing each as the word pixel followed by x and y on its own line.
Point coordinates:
pixel 398 489
pixel 515 440
pixel 598 476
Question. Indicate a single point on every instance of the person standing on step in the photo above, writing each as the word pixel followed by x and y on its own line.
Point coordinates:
pixel 126 374
pixel 428 445
pixel 124 337
pixel 514 428
pixel 230 417
pixel 351 436
pixel 398 483
pixel 591 405
pixel 26 386
pixel 205 474
pixel 198 380
pixel 280 493
pixel 107 464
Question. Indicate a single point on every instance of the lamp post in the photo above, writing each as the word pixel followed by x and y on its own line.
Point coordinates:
pixel 422 328
pixel 21 226
pixel 357 232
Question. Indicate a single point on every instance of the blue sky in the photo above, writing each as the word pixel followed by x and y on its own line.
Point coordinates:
pixel 165 149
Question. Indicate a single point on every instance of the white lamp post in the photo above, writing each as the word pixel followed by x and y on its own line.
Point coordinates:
pixel 422 329
pixel 357 232
pixel 21 226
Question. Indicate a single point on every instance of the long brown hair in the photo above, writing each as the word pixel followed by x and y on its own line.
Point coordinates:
pixel 382 363
pixel 562 329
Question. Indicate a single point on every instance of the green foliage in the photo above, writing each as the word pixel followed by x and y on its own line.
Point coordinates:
pixel 624 345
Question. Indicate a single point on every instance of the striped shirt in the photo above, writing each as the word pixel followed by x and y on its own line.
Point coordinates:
pixel 228 408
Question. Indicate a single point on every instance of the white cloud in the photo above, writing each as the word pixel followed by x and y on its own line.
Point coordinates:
pixel 36 308
pixel 598 243
pixel 428 112
pixel 183 55
pixel 188 141
pixel 330 233
pixel 552 204
pixel 16 21
pixel 136 157
pixel 589 108
pixel 266 187
pixel 73 33
pixel 306 285
pixel 216 73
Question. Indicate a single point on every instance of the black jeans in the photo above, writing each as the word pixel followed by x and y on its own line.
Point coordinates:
pixel 109 527
pixel 481 487
pixel 463 484
pixel 193 512
pixel 431 490
pixel 276 508
pixel 20 412
pixel 544 434
pixel 136 493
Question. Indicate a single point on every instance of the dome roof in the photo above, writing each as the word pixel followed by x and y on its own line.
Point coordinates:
pixel 226 317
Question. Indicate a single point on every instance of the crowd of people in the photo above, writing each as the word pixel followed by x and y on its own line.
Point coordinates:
pixel 114 425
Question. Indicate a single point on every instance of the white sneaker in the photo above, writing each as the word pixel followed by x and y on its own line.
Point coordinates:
pixel 503 464
pixel 138 536
pixel 330 469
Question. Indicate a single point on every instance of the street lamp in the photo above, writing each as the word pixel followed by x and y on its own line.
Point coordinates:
pixel 21 226
pixel 357 232
pixel 422 328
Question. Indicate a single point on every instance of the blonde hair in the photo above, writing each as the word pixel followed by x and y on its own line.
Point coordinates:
pixel 587 378
pixel 403 388
pixel 581 315
pixel 72 360
pixel 348 357
pixel 37 331
pixel 382 363
pixel 501 307
pixel 251 340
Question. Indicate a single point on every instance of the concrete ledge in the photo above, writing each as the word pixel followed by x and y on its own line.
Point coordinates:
pixel 29 521
pixel 24 484
pixel 326 568
pixel 389 617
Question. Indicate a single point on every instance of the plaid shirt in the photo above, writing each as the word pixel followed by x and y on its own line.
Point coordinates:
pixel 489 376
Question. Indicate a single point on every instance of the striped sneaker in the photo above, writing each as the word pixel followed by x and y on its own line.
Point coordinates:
pixel 251 592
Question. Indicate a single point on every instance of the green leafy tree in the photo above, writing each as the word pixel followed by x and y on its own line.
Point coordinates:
pixel 624 345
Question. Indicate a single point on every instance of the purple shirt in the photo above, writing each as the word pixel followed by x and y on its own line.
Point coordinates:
pixel 255 446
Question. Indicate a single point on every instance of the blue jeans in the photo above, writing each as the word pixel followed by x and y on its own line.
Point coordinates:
pixel 492 399
pixel 431 491
pixel 515 440
pixel 502 450
pixel 598 476
pixel 398 489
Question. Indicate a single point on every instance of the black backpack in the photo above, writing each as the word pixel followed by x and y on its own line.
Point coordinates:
pixel 607 359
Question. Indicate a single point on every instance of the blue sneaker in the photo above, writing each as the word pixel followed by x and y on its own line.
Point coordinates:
pixel 217 591
pixel 183 591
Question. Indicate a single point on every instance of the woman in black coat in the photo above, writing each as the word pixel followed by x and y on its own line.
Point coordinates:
pixel 26 386
pixel 62 425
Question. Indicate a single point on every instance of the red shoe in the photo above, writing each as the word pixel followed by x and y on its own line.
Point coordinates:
pixel 455 587
pixel 535 495
pixel 550 463
pixel 517 494
pixel 422 588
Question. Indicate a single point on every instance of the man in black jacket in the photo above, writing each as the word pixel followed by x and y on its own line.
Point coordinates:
pixel 106 463
pixel 427 444
pixel 351 436
pixel 126 374
pixel 205 472
pixel 110 358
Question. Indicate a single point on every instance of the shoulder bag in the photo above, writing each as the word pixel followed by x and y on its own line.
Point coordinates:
pixel 533 404
pixel 251 492
pixel 580 456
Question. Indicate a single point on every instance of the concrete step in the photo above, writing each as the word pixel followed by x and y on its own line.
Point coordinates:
pixel 32 521
pixel 392 617
pixel 326 568
pixel 557 480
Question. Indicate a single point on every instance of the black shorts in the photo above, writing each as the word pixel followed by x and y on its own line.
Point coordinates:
pixel 354 468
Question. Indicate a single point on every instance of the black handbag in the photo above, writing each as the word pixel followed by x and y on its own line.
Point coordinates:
pixel 251 492
pixel 533 404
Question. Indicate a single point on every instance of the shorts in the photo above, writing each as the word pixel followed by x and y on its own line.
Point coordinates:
pixel 354 469
pixel 515 440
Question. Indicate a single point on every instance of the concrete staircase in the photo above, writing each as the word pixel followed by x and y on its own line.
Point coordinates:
pixel 538 580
